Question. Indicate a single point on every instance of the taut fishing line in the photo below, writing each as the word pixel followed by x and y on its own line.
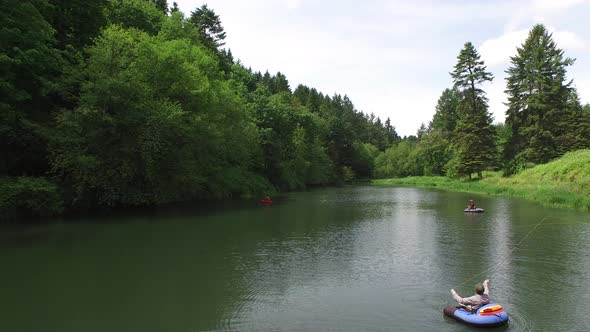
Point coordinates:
pixel 506 256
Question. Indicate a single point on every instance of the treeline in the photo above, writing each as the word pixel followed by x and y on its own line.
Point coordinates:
pixel 130 102
pixel 544 118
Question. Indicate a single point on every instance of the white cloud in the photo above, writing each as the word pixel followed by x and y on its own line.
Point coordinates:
pixel 497 51
pixel 407 107
pixel 583 87
pixel 568 40
pixel 293 4
pixel 497 97
pixel 552 5
pixel 447 11
pixel 538 11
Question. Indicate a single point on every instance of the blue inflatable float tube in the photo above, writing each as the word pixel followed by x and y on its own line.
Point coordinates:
pixel 490 315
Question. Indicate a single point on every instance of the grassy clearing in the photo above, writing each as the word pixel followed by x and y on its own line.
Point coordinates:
pixel 564 182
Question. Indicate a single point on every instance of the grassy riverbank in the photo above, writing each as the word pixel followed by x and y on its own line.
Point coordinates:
pixel 564 182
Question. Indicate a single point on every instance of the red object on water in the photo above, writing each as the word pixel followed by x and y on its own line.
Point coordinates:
pixel 266 201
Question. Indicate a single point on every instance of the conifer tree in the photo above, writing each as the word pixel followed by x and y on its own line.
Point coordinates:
pixel 279 83
pixel 474 136
pixel 392 135
pixel 422 130
pixel 161 5
pixel 209 24
pixel 538 97
pixel 573 129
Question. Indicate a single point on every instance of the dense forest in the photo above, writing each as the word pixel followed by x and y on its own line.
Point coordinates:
pixel 131 102
pixel 118 103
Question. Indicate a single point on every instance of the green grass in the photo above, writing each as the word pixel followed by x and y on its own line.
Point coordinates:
pixel 564 182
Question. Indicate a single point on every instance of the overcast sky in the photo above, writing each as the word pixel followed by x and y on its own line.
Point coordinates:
pixel 393 58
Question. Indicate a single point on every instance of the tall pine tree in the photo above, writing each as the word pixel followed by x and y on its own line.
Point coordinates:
pixel 474 136
pixel 574 128
pixel 209 24
pixel 538 113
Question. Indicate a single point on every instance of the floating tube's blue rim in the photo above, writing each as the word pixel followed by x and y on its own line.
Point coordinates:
pixel 450 312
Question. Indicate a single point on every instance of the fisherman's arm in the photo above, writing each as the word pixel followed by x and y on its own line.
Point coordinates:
pixel 461 300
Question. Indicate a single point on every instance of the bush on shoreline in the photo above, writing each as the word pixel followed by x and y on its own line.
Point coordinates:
pixel 22 197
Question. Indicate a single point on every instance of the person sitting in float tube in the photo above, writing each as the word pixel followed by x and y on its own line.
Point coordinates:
pixel 471 207
pixel 266 200
pixel 481 297
pixel 476 310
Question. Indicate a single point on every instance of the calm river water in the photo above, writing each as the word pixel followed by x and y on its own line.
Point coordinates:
pixel 346 259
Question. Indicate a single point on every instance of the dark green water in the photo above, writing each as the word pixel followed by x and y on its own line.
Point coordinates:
pixel 347 259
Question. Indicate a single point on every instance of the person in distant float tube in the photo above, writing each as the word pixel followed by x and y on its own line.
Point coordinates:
pixel 266 200
pixel 481 297
pixel 471 204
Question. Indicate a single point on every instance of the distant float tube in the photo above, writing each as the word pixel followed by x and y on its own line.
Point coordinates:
pixel 490 315
pixel 266 201
pixel 476 210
